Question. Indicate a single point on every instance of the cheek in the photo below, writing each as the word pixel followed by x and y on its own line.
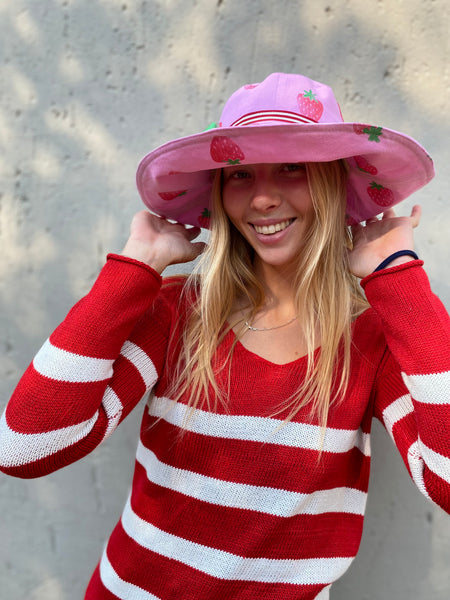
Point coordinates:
pixel 231 206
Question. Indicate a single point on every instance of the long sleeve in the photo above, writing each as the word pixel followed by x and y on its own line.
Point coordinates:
pixel 413 385
pixel 88 375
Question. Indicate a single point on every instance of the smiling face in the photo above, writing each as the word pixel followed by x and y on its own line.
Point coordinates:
pixel 271 206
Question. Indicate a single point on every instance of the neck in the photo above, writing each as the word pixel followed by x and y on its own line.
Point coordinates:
pixel 277 284
pixel 279 313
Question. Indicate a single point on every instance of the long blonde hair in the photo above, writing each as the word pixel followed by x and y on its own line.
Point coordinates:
pixel 328 298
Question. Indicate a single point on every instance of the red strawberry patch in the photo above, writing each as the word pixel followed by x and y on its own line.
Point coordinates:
pixel 374 133
pixel 380 195
pixel 224 150
pixel 204 219
pixel 309 106
pixel 360 129
pixel 365 166
pixel 171 195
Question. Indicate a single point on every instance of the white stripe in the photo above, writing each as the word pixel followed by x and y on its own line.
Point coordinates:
pixel 397 410
pixel 141 361
pixel 119 587
pixel 416 466
pixel 439 464
pixel 260 429
pixel 429 389
pixel 113 408
pixel 324 594
pixel 22 448
pixel 54 363
pixel 272 501
pixel 224 565
pixel 271 115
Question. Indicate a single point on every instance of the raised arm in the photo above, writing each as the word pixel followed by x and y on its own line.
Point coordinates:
pixel 100 361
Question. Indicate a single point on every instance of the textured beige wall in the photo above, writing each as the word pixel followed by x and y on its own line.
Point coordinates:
pixel 87 87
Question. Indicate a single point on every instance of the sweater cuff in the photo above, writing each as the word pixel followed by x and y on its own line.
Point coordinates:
pixel 138 263
pixel 390 270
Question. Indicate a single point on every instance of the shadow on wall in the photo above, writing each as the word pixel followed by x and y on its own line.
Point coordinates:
pixel 91 86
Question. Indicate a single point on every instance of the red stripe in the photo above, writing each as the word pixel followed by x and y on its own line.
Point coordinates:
pixel 59 403
pixel 261 119
pixel 437 488
pixel 271 115
pixel 96 590
pixel 435 435
pixel 244 532
pixel 405 433
pixel 255 463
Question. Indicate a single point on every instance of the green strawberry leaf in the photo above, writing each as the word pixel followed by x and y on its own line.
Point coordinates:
pixel 373 133
pixel 310 95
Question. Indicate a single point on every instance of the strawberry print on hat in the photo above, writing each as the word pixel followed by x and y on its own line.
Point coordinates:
pixel 380 195
pixel 309 106
pixel 171 195
pixel 374 133
pixel 224 150
pixel 204 219
pixel 364 165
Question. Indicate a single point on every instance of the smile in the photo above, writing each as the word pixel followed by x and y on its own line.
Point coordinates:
pixel 270 229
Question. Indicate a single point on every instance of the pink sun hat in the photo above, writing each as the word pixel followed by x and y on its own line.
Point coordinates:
pixel 285 118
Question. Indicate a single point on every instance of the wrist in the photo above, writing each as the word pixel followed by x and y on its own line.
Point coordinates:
pixel 397 258
pixel 399 261
pixel 143 253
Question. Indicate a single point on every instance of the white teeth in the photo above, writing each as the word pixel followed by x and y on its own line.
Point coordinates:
pixel 268 229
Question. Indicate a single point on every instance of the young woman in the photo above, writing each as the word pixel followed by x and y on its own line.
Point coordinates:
pixel 264 368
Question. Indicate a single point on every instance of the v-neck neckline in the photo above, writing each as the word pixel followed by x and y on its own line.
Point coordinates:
pixel 232 338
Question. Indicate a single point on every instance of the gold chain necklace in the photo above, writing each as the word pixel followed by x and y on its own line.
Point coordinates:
pixel 247 324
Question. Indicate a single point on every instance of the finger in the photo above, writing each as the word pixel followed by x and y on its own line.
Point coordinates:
pixel 195 250
pixel 356 230
pixel 416 213
pixel 388 214
pixel 199 247
pixel 193 232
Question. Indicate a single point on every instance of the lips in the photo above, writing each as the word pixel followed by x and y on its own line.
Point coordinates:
pixel 273 227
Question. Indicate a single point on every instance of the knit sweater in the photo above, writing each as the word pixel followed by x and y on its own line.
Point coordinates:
pixel 236 507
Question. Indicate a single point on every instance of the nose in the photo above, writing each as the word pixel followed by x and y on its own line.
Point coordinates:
pixel 266 195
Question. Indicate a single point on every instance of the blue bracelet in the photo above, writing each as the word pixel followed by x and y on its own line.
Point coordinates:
pixel 392 257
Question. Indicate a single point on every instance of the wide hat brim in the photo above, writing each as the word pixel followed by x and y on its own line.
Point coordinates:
pixel 385 166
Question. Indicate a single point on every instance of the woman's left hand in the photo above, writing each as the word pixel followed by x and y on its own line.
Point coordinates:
pixel 379 238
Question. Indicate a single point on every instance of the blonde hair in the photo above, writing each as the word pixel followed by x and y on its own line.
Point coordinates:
pixel 328 298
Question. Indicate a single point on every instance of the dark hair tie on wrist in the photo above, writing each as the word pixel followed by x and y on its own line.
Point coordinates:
pixel 392 257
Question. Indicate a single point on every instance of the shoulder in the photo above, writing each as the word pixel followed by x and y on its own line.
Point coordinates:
pixel 177 294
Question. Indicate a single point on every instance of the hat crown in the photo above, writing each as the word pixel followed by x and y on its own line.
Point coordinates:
pixel 281 98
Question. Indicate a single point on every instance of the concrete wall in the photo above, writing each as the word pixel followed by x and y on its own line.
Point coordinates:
pixel 87 87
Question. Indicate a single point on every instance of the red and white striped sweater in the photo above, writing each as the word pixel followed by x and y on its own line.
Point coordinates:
pixel 236 507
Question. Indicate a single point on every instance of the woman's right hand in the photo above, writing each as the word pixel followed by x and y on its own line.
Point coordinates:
pixel 158 243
